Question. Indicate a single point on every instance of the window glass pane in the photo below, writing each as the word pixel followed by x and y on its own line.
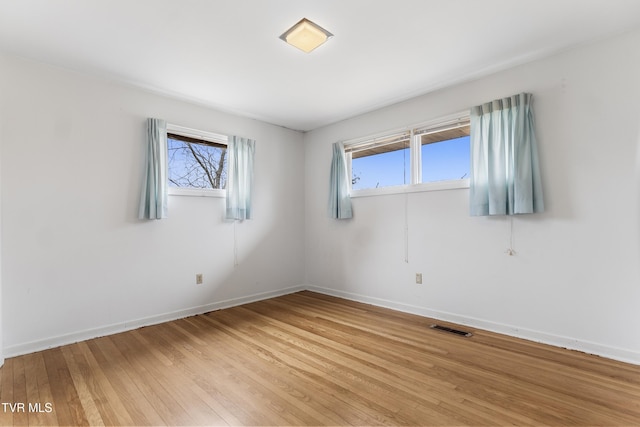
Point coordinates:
pixel 446 160
pixel 381 170
pixel 193 165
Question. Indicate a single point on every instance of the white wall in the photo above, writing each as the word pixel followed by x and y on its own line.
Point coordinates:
pixel 1 329
pixel 76 260
pixel 575 280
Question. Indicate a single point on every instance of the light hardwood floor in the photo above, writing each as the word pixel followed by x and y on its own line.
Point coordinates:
pixel 311 359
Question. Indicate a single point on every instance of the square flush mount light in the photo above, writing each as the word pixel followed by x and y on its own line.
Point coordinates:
pixel 306 35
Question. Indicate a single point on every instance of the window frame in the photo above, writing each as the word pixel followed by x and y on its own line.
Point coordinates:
pixel 415 158
pixel 205 136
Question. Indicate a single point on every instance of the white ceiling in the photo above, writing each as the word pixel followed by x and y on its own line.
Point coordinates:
pixel 227 54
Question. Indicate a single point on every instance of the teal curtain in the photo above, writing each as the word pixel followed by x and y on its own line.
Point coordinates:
pixel 241 152
pixel 505 173
pixel 153 200
pixel 339 198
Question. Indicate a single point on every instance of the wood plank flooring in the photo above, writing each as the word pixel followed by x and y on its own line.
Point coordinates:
pixel 311 359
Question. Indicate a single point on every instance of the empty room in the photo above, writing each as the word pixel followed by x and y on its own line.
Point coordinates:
pixel 297 212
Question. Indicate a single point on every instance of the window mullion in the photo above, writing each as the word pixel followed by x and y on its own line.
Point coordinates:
pixel 415 158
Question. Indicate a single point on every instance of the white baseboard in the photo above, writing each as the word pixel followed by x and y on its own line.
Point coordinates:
pixel 609 352
pixel 623 355
pixel 31 347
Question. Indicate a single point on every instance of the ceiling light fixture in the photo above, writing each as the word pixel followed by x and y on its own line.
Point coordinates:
pixel 306 35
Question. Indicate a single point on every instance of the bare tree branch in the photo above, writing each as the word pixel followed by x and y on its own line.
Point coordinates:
pixel 196 165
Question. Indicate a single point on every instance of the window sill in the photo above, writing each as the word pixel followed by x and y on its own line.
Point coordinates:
pixel 456 184
pixel 196 192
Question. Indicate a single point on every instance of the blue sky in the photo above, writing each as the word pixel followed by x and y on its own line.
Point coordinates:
pixel 181 160
pixel 440 161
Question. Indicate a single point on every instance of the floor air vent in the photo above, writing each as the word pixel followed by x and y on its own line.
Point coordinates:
pixel 451 330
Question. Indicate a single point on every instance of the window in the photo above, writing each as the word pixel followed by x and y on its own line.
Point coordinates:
pixel 437 152
pixel 381 162
pixel 197 161
pixel 445 152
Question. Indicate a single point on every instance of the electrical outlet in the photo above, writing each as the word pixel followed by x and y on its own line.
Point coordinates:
pixel 199 279
pixel 419 278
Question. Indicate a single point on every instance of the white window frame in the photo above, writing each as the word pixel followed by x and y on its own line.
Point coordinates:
pixel 415 158
pixel 205 136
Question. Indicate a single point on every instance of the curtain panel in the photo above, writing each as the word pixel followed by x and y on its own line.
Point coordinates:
pixel 153 200
pixel 505 175
pixel 339 198
pixel 240 178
